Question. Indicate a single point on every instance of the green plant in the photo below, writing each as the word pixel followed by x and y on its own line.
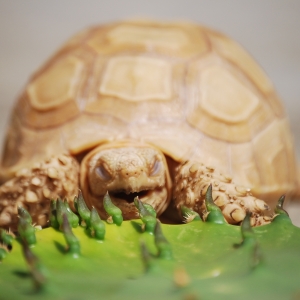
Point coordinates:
pixel 144 259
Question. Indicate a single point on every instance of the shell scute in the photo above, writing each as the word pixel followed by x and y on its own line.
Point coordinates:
pixel 56 86
pixel 272 155
pixel 140 86
pixel 165 39
pixel 232 51
pixel 51 97
pixel 137 78
pixel 225 102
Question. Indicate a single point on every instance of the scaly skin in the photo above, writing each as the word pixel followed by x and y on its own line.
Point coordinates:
pixel 191 182
pixel 33 187
pixel 197 260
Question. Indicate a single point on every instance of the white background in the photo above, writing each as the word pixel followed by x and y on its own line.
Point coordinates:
pixel 31 30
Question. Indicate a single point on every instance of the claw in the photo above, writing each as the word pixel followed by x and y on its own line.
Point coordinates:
pixel 189 215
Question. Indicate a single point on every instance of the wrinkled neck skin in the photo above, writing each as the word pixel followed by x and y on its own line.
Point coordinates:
pixel 126 169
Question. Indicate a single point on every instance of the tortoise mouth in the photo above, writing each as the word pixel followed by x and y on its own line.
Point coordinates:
pixel 157 198
pixel 129 197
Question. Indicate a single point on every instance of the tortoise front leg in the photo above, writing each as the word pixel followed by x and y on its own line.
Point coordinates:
pixel 32 188
pixel 191 182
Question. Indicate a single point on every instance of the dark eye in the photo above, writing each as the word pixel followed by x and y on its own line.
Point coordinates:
pixel 102 172
pixel 156 168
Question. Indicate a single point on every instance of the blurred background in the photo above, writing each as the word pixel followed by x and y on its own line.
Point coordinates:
pixel 31 30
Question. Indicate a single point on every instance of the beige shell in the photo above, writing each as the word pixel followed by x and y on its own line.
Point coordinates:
pixel 186 89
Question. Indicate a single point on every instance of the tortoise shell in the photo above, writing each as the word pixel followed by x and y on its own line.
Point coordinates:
pixel 186 89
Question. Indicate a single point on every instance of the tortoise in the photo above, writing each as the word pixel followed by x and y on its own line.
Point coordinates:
pixel 150 109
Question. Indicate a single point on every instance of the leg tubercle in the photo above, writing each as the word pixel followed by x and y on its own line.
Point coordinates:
pixel 191 182
pixel 32 188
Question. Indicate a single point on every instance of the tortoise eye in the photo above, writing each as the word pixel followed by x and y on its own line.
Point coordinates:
pixel 156 168
pixel 102 172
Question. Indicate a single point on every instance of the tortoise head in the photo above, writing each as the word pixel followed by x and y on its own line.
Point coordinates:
pixel 126 170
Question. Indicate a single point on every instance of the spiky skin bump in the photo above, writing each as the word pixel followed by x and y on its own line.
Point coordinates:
pixel 191 182
pixel 33 188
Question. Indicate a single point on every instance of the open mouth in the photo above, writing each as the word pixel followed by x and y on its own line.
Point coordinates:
pixel 129 197
pixel 157 198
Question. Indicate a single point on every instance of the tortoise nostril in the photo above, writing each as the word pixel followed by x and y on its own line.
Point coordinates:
pixel 132 173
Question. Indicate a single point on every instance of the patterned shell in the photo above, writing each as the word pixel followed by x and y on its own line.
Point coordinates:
pixel 186 89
